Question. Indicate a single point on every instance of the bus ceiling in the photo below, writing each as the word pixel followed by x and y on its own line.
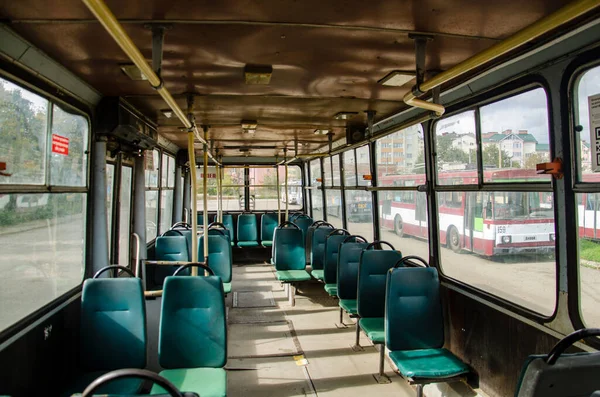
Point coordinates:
pixel 283 78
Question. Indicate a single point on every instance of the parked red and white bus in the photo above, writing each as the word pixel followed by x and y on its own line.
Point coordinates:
pixel 486 223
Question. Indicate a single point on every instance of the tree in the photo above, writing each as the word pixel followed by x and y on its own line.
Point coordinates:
pixel 446 153
pixel 534 159
pixel 490 157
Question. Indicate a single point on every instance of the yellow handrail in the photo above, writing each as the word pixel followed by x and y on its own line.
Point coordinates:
pixel 537 29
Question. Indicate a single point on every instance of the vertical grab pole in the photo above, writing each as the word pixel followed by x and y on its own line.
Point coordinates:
pixel 205 195
pixel 278 193
pixel 219 195
pixel 287 199
pixel 194 186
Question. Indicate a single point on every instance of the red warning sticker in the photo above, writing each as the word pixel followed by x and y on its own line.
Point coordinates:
pixel 60 145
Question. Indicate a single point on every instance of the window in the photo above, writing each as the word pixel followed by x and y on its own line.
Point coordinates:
pixel 586 97
pixel 125 216
pixel 334 207
pixel 295 191
pixel 492 230
pixel 509 124
pixel 495 228
pixel 43 256
pixel 450 153
pixel 316 195
pixel 359 213
pixel 167 186
pixel 23 135
pixel 335 167
pixel 110 188
pixel 399 165
pixel 69 148
pixel 349 168
pixel 152 168
pixel 315 172
pixel 363 165
pixel 327 171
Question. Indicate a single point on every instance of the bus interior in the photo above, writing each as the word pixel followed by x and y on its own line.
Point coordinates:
pixel 293 198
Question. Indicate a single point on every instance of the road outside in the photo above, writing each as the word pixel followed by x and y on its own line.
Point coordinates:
pixel 527 280
pixel 41 260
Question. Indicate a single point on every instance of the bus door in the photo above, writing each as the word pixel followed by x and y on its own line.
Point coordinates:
pixel 421 213
pixel 473 222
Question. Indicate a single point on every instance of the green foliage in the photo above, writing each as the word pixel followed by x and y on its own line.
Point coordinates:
pixel 22 136
pixel 534 159
pixel 589 250
pixel 447 154
pixel 491 158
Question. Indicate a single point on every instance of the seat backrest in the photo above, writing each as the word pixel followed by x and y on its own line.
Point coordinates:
pixel 113 324
pixel 317 247
pixel 171 248
pixel 228 222
pixel 572 375
pixel 219 255
pixel 413 310
pixel 372 273
pixel 288 249
pixel 247 228
pixel 193 329
pixel 268 223
pixel 330 257
pixel 303 222
pixel 182 232
pixel 347 268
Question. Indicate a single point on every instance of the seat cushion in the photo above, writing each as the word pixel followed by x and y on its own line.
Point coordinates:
pixel 428 363
pixel 292 275
pixel 349 305
pixel 374 328
pixel 243 244
pixel 206 382
pixel 129 386
pixel 318 274
pixel 226 288
pixel 267 243
pixel 331 289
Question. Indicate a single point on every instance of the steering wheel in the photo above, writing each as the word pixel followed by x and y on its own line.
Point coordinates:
pixel 134 373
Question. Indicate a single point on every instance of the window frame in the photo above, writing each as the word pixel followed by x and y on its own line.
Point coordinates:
pixel 505 91
pixel 30 83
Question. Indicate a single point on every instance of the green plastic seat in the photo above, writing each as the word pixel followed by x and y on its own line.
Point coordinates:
pixel 331 248
pixel 318 236
pixel 219 256
pixel 289 255
pixel 170 248
pixel 428 363
pixel 348 305
pixel 192 343
pixel 374 328
pixel 226 288
pixel 246 244
pixel 209 382
pixel 331 289
pixel 113 333
pixel 318 274
pixel 290 276
pixel 247 233
pixel 414 327
pixel 268 223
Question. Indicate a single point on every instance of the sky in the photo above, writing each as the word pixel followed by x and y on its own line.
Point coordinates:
pixel 39 103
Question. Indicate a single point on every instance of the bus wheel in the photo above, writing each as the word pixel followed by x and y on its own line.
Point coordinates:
pixel 399 226
pixel 453 239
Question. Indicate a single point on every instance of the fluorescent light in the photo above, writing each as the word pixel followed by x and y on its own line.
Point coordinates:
pixel 322 132
pixel 132 72
pixel 396 78
pixel 249 126
pixel 258 74
pixel 344 115
pixel 168 113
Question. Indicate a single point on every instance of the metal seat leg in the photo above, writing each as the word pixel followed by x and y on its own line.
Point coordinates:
pixel 381 377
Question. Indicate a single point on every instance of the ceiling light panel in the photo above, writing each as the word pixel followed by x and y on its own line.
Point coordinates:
pixel 133 72
pixel 258 74
pixel 396 78
pixel 344 115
